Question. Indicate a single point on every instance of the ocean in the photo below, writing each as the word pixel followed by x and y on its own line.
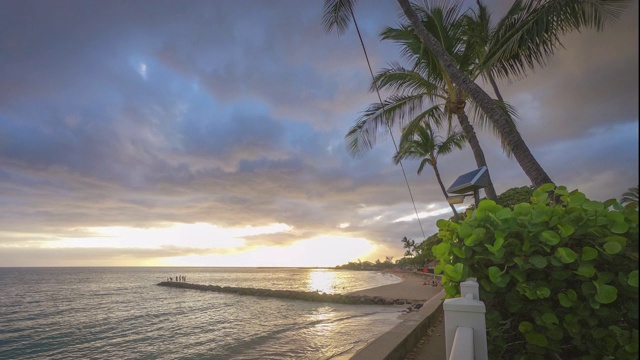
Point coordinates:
pixel 120 313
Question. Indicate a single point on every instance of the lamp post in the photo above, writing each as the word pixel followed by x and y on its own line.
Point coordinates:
pixel 468 184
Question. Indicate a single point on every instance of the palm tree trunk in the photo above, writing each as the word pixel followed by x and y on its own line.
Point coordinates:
pixel 472 139
pixel 444 191
pixel 500 120
pixel 492 81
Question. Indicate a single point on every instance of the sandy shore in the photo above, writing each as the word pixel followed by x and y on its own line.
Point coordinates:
pixel 416 287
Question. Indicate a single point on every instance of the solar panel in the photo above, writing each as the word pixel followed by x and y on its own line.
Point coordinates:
pixel 471 181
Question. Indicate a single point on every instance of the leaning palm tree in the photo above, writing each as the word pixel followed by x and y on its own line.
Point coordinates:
pixel 576 13
pixel 630 197
pixel 425 83
pixel 559 17
pixel 425 144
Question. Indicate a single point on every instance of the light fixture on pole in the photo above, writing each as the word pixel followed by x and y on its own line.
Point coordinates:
pixel 467 185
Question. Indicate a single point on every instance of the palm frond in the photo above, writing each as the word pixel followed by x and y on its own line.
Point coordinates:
pixel 630 196
pixel 337 15
pixel 484 123
pixel 530 31
pixel 398 79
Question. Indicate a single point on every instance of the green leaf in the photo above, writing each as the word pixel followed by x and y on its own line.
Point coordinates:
pixel 518 261
pixel 577 198
pixel 538 261
pixel 472 240
pixel 565 230
pixel 566 255
pixel 458 252
pixel 564 300
pixel 495 274
pixel 489 206
pixel 591 205
pixel 503 213
pixel 633 278
pixel 442 224
pixel 454 272
pixel 465 230
pixel 573 296
pixel 441 250
pixel 522 209
pixel 535 338
pixel 525 327
pixel 586 270
pixel 543 292
pixel 550 319
pixel 550 237
pixel 606 294
pixel 612 247
pixel 620 228
pixel 589 253
pixel 547 187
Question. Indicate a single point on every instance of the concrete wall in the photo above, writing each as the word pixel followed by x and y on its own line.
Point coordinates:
pixel 401 339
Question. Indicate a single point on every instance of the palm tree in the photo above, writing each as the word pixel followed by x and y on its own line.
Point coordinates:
pixel 630 197
pixel 544 21
pixel 575 14
pixel 424 83
pixel 409 245
pixel 425 144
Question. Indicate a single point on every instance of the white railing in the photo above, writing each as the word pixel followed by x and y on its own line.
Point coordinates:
pixel 464 324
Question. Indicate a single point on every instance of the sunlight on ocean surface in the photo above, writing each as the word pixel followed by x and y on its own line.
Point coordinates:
pixel 120 313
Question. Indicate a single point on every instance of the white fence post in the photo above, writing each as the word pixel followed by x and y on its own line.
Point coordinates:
pixel 466 311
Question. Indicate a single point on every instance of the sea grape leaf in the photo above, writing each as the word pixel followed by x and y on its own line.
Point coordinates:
pixel 592 205
pixel 536 338
pixel 550 318
pixel 503 213
pixel 606 294
pixel 538 261
pixel 495 274
pixel 589 253
pixel 633 278
pixel 565 230
pixel 442 224
pixel 566 255
pixel 586 270
pixel 612 247
pixel 564 300
pixel 547 187
pixel 550 237
pixel 619 227
pixel 525 327
pixel 543 292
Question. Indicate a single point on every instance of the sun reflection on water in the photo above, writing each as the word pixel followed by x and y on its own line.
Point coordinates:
pixel 322 280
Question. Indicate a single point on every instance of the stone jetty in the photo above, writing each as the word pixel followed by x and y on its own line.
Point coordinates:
pixel 290 294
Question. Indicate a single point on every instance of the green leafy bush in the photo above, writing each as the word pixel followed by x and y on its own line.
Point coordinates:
pixel 559 275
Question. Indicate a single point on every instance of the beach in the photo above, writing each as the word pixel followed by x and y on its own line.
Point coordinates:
pixel 411 337
pixel 414 287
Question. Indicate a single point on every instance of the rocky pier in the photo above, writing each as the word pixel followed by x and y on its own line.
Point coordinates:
pixel 294 295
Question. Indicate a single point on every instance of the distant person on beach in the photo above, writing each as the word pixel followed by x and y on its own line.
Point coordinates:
pixel 170 279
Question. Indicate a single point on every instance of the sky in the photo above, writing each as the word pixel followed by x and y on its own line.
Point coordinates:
pixel 211 133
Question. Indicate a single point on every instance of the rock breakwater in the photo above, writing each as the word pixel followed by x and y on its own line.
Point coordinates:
pixel 291 294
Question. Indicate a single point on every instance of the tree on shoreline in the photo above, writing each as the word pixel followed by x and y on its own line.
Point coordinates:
pixel 423 143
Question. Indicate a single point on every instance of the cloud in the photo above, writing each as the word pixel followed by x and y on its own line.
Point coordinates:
pixel 137 116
